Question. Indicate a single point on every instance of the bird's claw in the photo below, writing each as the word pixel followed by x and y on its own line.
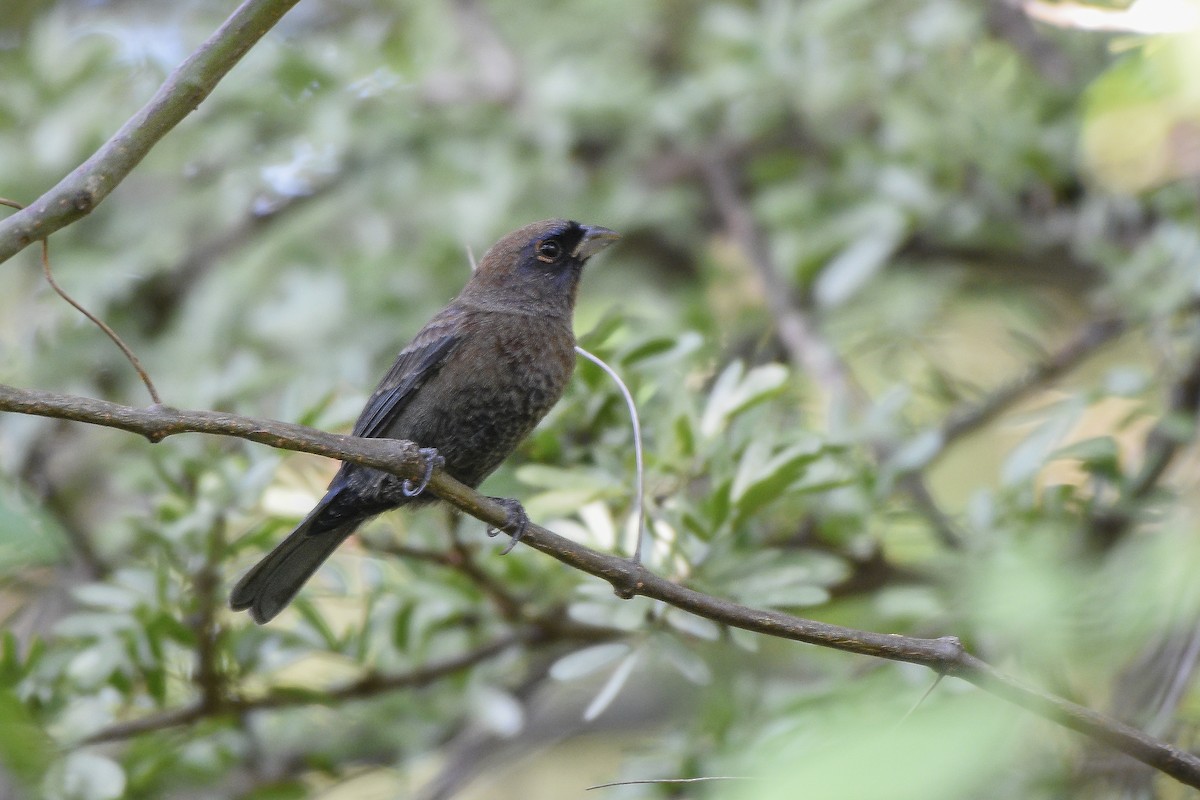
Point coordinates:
pixel 433 460
pixel 516 524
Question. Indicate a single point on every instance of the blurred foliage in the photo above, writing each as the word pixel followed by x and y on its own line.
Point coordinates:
pixel 930 178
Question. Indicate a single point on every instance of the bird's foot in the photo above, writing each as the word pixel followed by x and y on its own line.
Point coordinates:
pixel 433 460
pixel 516 524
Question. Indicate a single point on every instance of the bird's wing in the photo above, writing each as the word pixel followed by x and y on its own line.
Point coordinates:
pixel 415 365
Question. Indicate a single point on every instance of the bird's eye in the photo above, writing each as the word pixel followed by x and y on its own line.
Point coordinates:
pixel 549 251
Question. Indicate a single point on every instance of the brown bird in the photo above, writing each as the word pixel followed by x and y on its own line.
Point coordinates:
pixel 471 385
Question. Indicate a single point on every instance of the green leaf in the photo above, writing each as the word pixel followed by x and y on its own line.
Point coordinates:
pixel 762 478
pixel 736 390
pixel 586 661
pixel 612 687
pixel 25 749
pixel 779 595
pixel 93 666
pixel 916 452
pixel 497 711
pixel 686 662
pixel 156 684
pixel 166 625
pixel 542 476
pixel 852 268
pixel 692 625
pixel 784 579
pixel 284 790
pixel 1027 458
pixel 28 534
pixel 685 435
pixel 717 505
pixel 1099 454
pixel 649 349
pixel 106 596
pixel 601 332
pixel 11 669
pixel 317 622
pixel 85 775
pixel 402 628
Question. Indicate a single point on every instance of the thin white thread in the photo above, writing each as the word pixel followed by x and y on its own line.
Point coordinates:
pixel 640 492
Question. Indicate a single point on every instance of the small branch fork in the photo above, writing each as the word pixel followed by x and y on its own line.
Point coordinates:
pixel 945 655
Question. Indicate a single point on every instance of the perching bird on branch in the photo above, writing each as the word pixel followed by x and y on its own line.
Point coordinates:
pixel 471 385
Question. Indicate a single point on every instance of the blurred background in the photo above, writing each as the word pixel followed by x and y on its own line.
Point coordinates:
pixel 907 297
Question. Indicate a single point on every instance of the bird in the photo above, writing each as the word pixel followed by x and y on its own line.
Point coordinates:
pixel 467 389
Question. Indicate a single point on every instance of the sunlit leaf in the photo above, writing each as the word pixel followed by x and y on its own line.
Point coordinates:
pixel 736 390
pixel 1027 458
pixel 84 775
pixel 763 476
pixel 612 687
pixel 498 711
pixel 692 625
pixel 586 661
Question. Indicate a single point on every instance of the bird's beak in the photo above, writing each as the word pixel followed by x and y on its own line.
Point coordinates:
pixel 594 240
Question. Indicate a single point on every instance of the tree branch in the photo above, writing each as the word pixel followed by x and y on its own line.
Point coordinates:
pixel 80 192
pixel 944 655
pixel 970 418
pixel 796 328
pixel 206 585
pixel 367 686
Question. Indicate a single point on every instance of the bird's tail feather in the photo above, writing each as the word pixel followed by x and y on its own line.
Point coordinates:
pixel 272 583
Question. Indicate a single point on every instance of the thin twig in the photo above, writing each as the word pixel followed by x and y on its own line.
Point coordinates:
pixel 971 417
pixel 651 781
pixel 921 700
pixel 99 323
pixel 797 330
pixel 367 686
pixel 945 655
pixel 459 560
pixel 553 622
pixel 207 582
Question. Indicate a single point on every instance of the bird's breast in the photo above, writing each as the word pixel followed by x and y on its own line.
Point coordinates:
pixel 507 373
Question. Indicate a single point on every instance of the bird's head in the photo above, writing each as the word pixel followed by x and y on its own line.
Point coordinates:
pixel 536 269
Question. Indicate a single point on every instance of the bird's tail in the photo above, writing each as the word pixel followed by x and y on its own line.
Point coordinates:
pixel 272 583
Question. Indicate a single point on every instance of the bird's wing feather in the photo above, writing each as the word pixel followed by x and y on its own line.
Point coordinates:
pixel 415 365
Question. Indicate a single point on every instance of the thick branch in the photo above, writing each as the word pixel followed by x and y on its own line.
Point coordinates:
pixel 82 190
pixel 944 655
